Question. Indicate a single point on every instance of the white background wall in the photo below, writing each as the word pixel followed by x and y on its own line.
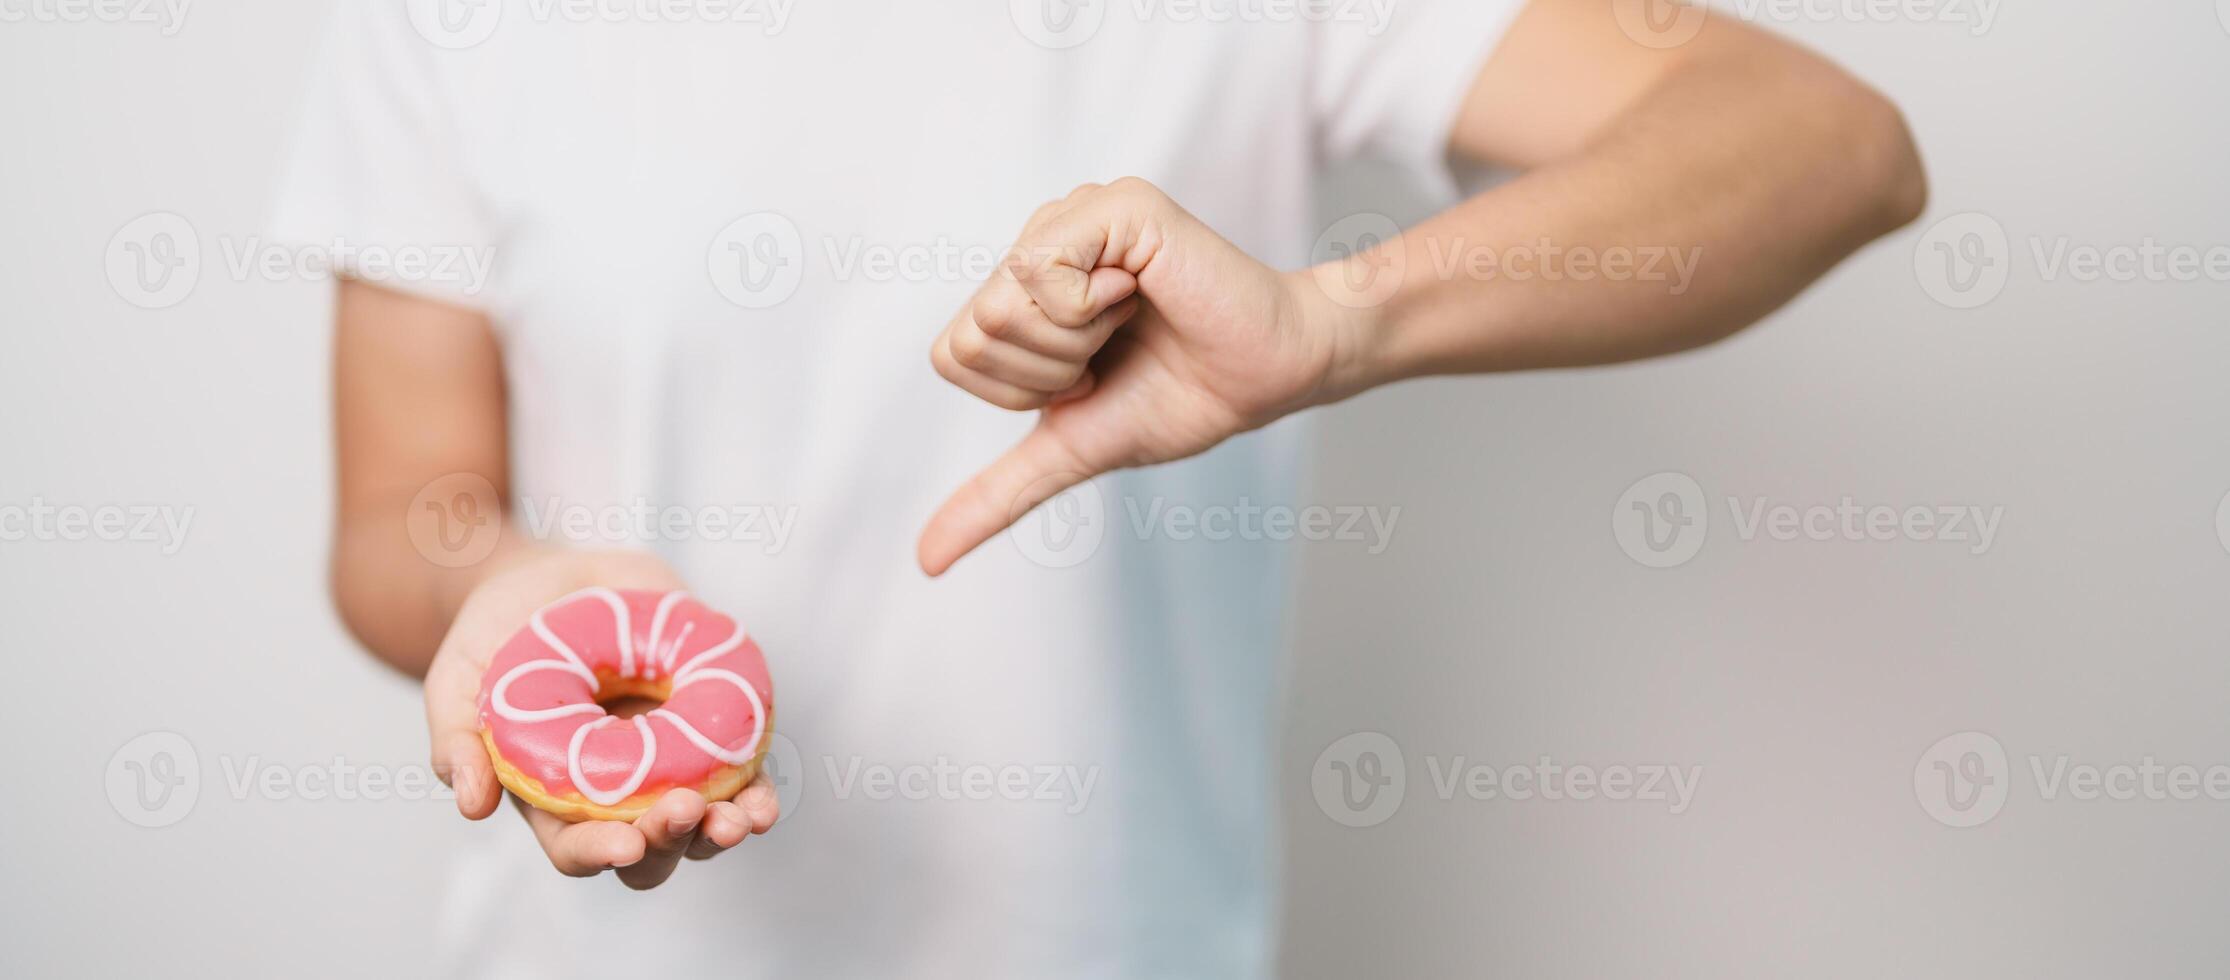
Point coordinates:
pixel 1806 680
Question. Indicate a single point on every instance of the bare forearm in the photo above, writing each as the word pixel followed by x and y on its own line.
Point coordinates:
pixel 1719 195
pixel 419 425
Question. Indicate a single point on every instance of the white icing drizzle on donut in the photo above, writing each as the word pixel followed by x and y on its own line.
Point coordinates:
pixel 626 636
pixel 500 697
pixel 710 747
pixel 655 661
pixel 673 650
pixel 549 639
pixel 714 652
pixel 657 632
pixel 634 782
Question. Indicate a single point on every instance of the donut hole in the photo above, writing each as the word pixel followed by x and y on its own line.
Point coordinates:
pixel 626 697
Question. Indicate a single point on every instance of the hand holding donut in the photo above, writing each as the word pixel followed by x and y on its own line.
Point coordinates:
pixel 675 824
pixel 1143 335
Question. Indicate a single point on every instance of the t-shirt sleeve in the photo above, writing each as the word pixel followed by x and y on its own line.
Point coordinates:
pixel 375 169
pixel 1388 86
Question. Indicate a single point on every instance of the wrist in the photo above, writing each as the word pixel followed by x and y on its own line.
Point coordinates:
pixel 512 553
pixel 580 568
pixel 1349 304
pixel 556 570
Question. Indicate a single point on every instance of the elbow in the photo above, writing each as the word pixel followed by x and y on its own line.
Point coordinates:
pixel 378 616
pixel 346 594
pixel 353 606
pixel 1892 183
pixel 1856 147
pixel 1856 143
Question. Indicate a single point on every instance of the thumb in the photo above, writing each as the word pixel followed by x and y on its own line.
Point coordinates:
pixel 459 758
pixel 462 762
pixel 1034 471
pixel 1088 254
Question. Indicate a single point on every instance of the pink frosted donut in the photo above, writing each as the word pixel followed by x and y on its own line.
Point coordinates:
pixel 542 704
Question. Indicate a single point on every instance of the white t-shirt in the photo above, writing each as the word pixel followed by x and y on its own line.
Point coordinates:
pixel 717 252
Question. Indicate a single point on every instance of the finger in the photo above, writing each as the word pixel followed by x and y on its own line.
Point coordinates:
pixel 1083 386
pixel 668 829
pixel 1070 294
pixel 1028 475
pixel 1012 364
pixel 586 849
pixel 1085 257
pixel 1046 211
pixel 1002 310
pixel 1004 394
pixel 460 759
pixel 463 760
pixel 760 804
pixel 1034 331
pixel 725 826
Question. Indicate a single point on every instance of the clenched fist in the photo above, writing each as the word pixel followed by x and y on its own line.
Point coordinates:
pixel 1143 336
